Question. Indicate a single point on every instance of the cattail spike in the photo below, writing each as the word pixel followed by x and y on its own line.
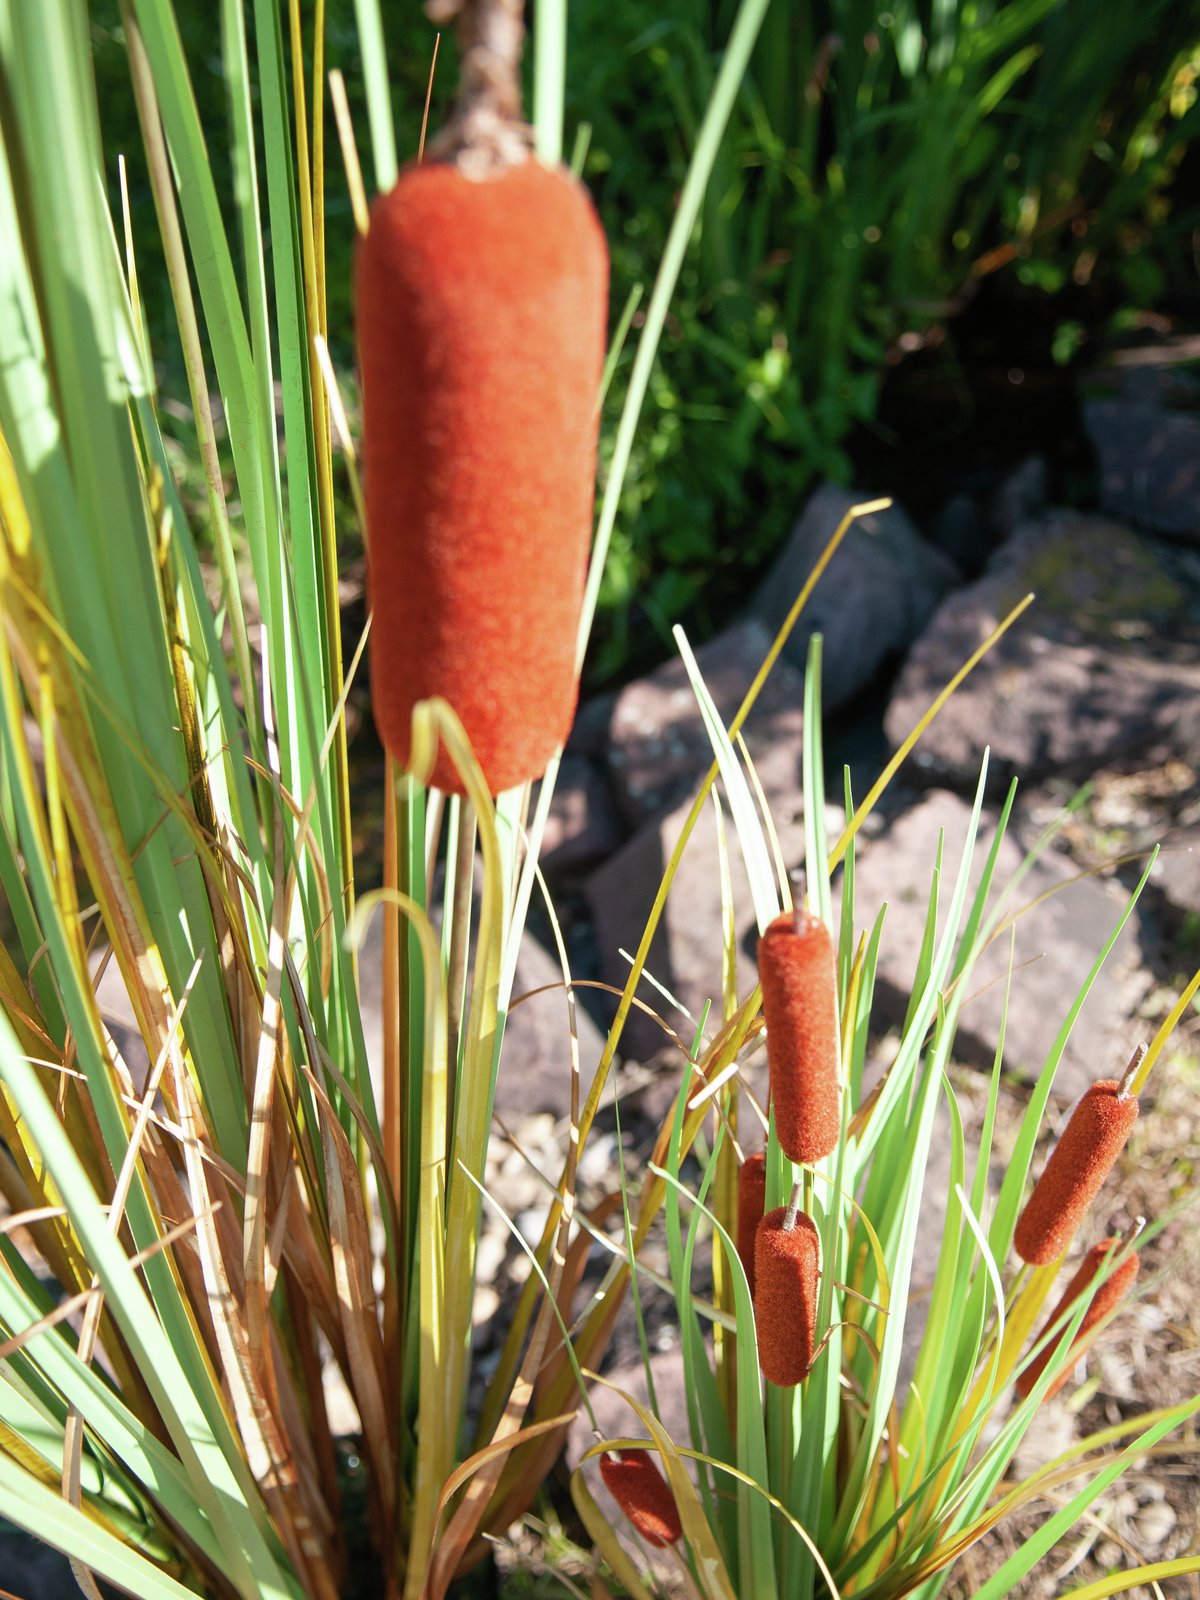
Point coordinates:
pixel 752 1202
pixel 787 1269
pixel 1110 1293
pixel 799 990
pixel 481 318
pixel 1073 1176
pixel 643 1494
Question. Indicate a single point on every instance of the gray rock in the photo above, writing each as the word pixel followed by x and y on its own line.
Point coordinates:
pixel 1056 941
pixel 583 825
pixel 535 1062
pixel 589 730
pixel 1177 870
pixel 960 531
pixel 1018 497
pixel 617 1419
pixel 1148 459
pixel 30 1570
pixel 1106 663
pixel 659 750
pixel 686 953
pixel 871 602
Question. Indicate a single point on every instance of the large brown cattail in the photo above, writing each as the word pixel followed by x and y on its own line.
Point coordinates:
pixel 799 999
pixel 1078 1165
pixel 787 1267
pixel 752 1202
pixel 481 294
pixel 1111 1291
pixel 643 1494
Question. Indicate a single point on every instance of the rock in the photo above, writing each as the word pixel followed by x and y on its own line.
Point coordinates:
pixel 1019 496
pixel 1105 664
pixel 1148 464
pixel 617 1419
pixel 872 601
pixel 1056 942
pixel 583 825
pixel 589 731
pixel 535 1063
pixel 659 750
pixel 535 1060
pixel 960 532
pixel 33 1570
pixel 686 953
pixel 1177 870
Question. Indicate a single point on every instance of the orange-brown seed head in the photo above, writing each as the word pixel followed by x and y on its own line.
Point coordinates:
pixel 481 319
pixel 1114 1289
pixel 752 1202
pixel 643 1494
pixel 787 1267
pixel 1073 1176
pixel 799 999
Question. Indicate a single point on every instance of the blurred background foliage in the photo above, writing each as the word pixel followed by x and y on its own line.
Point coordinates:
pixel 968 174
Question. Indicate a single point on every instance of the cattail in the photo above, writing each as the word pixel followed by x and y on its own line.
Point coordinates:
pixel 787 1265
pixel 643 1494
pixel 482 290
pixel 1078 1165
pixel 1109 1294
pixel 752 1202
pixel 799 998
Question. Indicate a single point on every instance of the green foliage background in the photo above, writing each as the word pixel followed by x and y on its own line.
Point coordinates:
pixel 879 159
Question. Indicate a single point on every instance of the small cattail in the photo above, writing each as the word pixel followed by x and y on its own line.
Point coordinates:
pixel 643 1494
pixel 1078 1165
pixel 799 998
pixel 481 306
pixel 787 1266
pixel 1111 1291
pixel 752 1202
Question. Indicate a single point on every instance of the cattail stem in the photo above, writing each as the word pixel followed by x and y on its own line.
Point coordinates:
pixel 1129 1076
pixel 486 132
pixel 793 1207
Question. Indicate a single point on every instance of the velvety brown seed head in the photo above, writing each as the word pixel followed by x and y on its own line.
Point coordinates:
pixel 786 1269
pixel 1110 1293
pixel 752 1202
pixel 643 1494
pixel 1078 1165
pixel 799 989
pixel 481 323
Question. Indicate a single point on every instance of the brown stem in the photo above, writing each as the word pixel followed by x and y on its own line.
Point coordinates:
pixel 1131 1071
pixel 487 133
